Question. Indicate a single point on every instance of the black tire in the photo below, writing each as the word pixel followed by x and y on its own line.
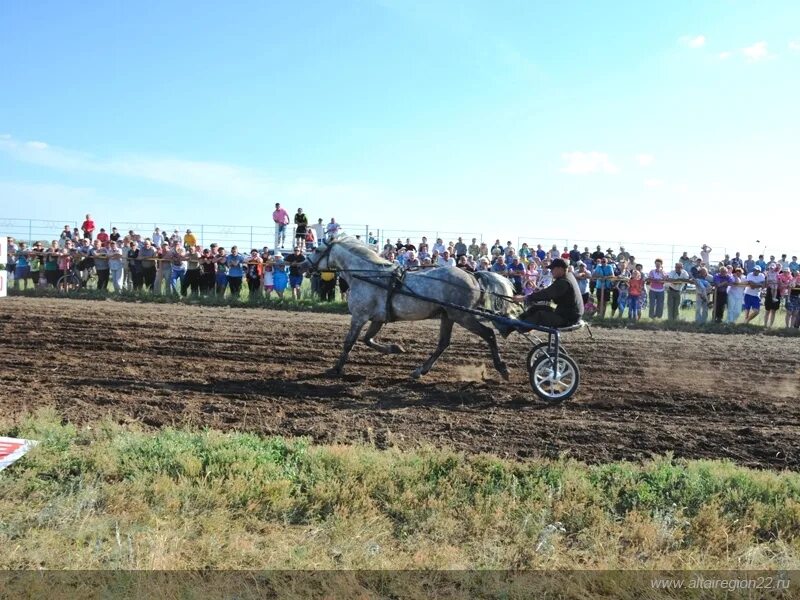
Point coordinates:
pixel 541 349
pixel 68 283
pixel 541 378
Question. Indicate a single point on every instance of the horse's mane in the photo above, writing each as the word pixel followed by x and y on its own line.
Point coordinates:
pixel 358 248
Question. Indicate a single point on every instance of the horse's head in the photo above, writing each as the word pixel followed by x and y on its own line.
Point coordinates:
pixel 320 259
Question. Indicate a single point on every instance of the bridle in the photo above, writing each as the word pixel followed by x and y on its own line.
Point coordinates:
pixel 315 266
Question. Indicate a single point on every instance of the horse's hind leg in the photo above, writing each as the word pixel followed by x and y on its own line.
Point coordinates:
pixel 372 331
pixel 472 324
pixel 349 341
pixel 445 330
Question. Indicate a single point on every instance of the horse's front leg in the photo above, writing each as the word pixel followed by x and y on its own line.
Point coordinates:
pixel 372 331
pixel 445 331
pixel 349 341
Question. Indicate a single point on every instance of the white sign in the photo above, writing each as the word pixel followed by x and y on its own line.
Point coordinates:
pixel 12 449
pixel 3 261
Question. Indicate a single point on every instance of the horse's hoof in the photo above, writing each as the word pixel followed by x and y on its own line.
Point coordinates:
pixel 335 372
pixel 417 373
pixel 503 370
pixel 397 349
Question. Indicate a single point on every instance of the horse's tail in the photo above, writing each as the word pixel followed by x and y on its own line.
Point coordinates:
pixel 498 294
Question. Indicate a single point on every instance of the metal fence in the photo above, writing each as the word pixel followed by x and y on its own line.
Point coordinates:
pixel 35 230
pixel 644 252
pixel 392 235
pixel 244 236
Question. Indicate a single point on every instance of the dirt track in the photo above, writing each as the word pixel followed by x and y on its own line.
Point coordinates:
pixel 642 393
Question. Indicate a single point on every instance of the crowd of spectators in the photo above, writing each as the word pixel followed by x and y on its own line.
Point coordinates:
pixel 612 282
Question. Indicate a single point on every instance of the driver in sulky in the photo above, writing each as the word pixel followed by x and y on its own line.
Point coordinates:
pixel 564 292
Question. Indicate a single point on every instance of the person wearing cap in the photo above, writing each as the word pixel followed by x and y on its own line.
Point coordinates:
pixel 675 290
pixel 564 292
pixel 752 293
pixel 705 253
pixel 189 241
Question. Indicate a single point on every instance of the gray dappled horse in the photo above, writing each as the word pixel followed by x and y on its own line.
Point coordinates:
pixel 376 287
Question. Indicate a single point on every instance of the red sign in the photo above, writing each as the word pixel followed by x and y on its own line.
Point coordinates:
pixel 12 449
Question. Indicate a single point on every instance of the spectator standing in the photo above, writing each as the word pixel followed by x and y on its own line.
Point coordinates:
pixel 793 301
pixel 752 293
pixel 253 274
pixel 103 237
pixel 191 280
pixel 99 253
pixel 88 227
pixel 516 272
pixel 722 280
pixel 772 299
pixel 581 275
pixel 222 272
pixel 655 280
pixel 208 275
pixel 736 294
pixel 280 277
pixel 11 256
pixel 135 266
pixel 327 285
pixel 460 248
pixel 635 294
pixel 116 263
pixel 705 254
pixel 281 219
pixel 332 230
pixel 163 268
pixel 601 272
pixel 474 248
pixel 300 227
pixel 114 236
pixel 189 241
pixel 703 289
pixel 22 268
pixel 675 290
pixel 236 267
pixel 294 261
pixel 148 254
pixel 439 246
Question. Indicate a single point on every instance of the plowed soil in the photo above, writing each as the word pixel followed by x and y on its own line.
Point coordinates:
pixel 642 392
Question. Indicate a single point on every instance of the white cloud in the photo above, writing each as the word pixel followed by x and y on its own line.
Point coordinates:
pixel 644 160
pixel 221 180
pixel 697 41
pixel 756 52
pixel 725 55
pixel 653 183
pixel 794 45
pixel 584 163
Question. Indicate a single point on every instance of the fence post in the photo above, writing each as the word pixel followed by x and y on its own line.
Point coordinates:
pixel 202 241
pixel 251 236
pixel 30 233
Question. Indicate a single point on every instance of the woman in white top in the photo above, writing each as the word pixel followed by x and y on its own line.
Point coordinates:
pixel 735 296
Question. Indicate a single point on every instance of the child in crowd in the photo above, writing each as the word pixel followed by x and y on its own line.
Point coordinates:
pixel 635 293
pixel 280 278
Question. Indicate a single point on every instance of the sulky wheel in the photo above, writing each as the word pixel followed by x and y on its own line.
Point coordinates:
pixel 554 385
pixel 540 349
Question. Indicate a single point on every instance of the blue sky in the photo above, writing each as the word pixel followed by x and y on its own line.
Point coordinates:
pixel 584 121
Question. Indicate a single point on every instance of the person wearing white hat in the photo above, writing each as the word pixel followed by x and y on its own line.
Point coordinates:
pixel 752 293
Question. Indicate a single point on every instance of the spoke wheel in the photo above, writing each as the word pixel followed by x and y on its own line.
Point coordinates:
pixel 68 283
pixel 541 349
pixel 554 381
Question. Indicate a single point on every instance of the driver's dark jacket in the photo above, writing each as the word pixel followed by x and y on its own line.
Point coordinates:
pixel 566 294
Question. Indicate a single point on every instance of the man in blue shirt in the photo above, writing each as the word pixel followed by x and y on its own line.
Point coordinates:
pixel 794 265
